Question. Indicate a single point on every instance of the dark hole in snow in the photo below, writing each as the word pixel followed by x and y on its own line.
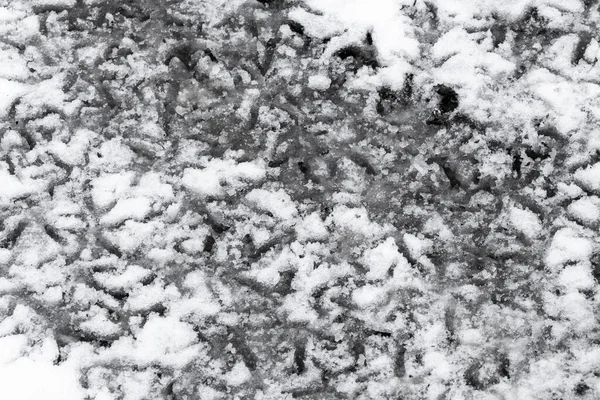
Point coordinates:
pixel 53 234
pixel 360 55
pixel 303 167
pixel 449 98
pixel 400 362
pixel 184 53
pixel 210 55
pixel 498 34
pixel 451 175
pixel 369 39
pixel 299 359
pixel 12 237
pixel 582 44
pixel 208 244
pixel 516 164
pixel 541 154
pixel 504 366
pixel 168 390
pixel 276 163
pixel 581 388
pixel 296 27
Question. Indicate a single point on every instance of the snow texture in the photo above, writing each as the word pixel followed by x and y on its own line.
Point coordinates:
pixel 299 199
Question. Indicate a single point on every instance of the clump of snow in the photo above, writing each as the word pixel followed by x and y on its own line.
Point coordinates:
pixel 219 177
pixel 162 339
pixel 526 222
pixel 589 178
pixel 577 277
pixel 381 258
pixel 238 375
pixel 319 82
pixel 585 209
pixel 278 203
pixel 567 245
pixel 311 227
pixel 25 379
pixel 355 220
pixel 125 279
pixel 416 246
pixel 136 208
pixel 110 187
pixel 369 295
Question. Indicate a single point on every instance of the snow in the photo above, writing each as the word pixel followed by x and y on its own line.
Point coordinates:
pixel 589 177
pixel 368 296
pixel 25 379
pixel 319 82
pixel 394 282
pixel 13 187
pixel 526 222
pixel 11 348
pixel 125 279
pixel 109 187
pixel 585 209
pixel 567 245
pixel 381 258
pixel 161 339
pixel 209 181
pixel 311 227
pixel 136 208
pixel 9 92
pixel 576 277
pixel 278 203
pixel 238 375
pixel 415 245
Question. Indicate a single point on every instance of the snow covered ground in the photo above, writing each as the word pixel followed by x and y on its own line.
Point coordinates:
pixel 299 199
